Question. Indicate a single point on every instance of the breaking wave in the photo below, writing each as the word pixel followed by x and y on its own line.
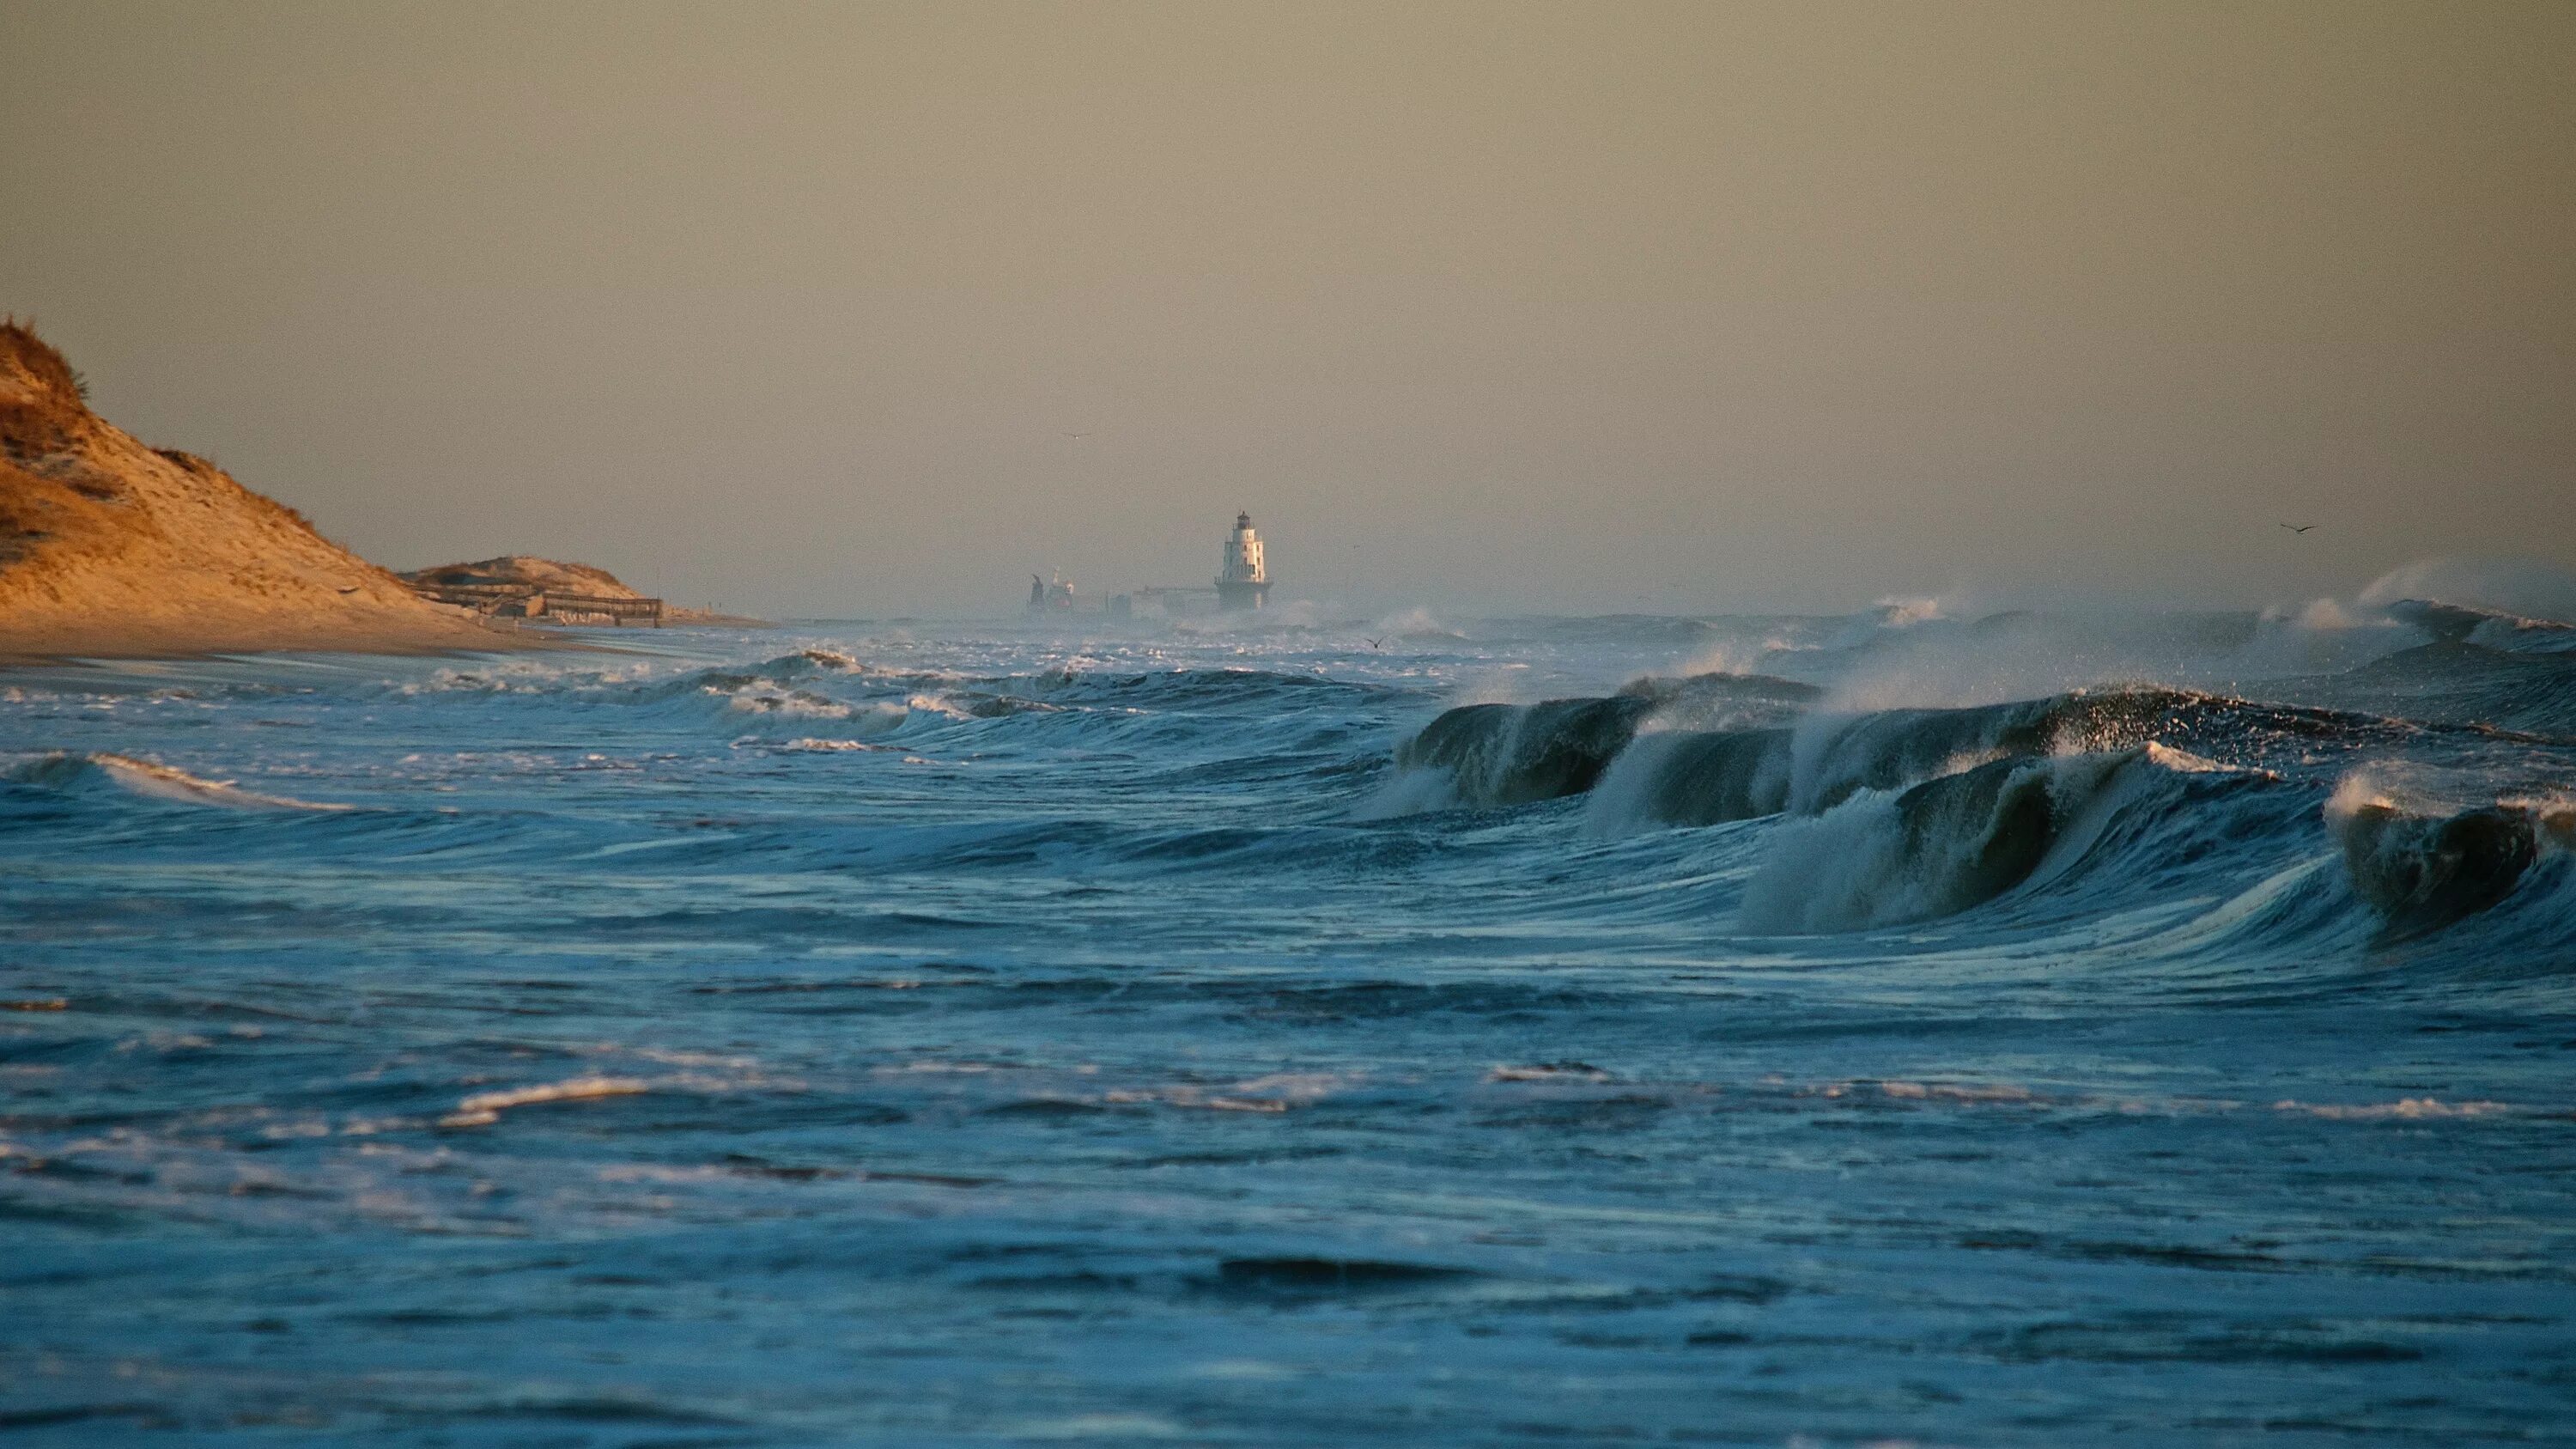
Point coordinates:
pixel 1891 816
pixel 1878 858
pixel 74 772
pixel 2423 870
pixel 1511 754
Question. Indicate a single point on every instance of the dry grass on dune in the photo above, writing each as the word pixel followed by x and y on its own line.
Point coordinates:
pixel 110 547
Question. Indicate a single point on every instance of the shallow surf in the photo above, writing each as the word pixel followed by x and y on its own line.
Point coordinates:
pixel 2006 1031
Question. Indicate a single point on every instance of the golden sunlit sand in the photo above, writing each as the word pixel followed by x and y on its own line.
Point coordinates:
pixel 112 548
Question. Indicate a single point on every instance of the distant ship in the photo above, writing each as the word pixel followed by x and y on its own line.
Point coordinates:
pixel 1051 596
pixel 1243 582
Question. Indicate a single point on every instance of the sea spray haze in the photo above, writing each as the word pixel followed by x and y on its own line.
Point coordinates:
pixel 1663 306
pixel 1931 1025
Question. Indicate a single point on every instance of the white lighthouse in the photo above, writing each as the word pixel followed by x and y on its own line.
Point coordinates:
pixel 1242 583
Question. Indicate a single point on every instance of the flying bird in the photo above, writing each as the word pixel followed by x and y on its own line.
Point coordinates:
pixel 1077 435
pixel 2298 527
pixel 1377 643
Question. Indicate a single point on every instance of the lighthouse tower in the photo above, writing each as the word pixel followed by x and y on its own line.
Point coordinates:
pixel 1242 583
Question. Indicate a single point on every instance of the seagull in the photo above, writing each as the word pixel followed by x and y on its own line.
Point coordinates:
pixel 1376 643
pixel 1077 435
pixel 351 589
pixel 2298 527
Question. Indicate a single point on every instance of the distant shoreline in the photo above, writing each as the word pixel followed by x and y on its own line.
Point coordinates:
pixel 110 549
pixel 464 636
pixel 132 639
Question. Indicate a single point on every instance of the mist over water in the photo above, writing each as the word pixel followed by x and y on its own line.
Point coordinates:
pixel 1966 1028
pixel 1666 306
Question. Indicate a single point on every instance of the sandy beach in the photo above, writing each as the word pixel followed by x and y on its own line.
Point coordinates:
pixel 250 633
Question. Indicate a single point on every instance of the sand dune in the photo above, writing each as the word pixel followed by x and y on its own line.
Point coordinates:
pixel 109 547
pixel 562 583
pixel 549 575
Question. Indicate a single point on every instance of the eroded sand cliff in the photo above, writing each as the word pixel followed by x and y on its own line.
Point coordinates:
pixel 110 547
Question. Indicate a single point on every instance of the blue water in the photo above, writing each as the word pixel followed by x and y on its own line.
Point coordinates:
pixel 981 1034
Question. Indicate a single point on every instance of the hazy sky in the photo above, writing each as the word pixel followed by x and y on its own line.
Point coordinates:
pixel 1584 306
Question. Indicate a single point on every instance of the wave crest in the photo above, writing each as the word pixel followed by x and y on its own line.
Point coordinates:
pixel 1878 859
pixel 74 770
pixel 2423 870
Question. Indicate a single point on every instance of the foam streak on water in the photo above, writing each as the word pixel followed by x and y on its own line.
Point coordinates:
pixel 971 1035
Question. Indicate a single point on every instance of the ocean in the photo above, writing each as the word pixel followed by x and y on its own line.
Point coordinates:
pixel 2152 1029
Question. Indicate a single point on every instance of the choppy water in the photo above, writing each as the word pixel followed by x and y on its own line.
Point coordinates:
pixel 970 1034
